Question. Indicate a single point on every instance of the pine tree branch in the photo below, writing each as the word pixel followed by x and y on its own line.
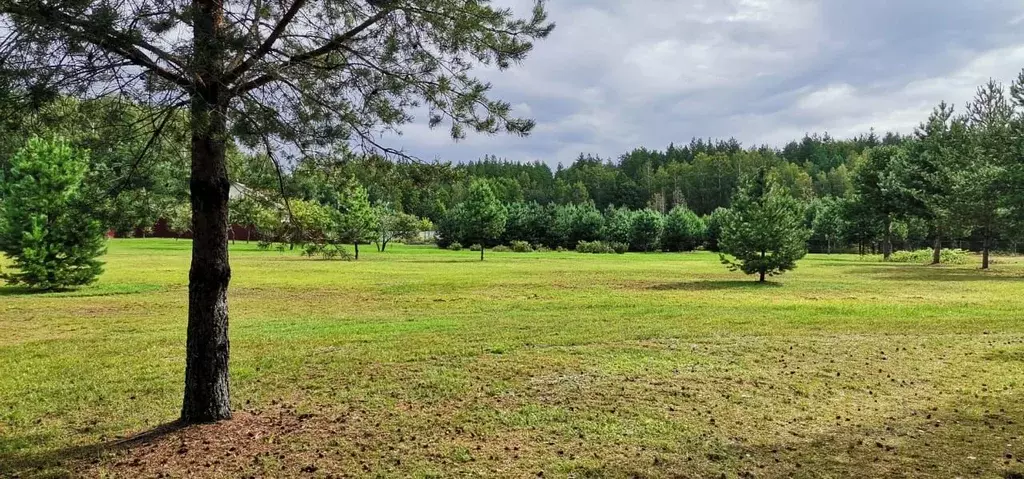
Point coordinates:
pixel 267 44
pixel 331 46
pixel 111 41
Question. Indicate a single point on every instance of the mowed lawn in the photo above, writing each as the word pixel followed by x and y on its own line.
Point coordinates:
pixel 420 362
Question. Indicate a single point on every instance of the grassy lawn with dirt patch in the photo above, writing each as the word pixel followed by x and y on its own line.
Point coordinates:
pixel 420 362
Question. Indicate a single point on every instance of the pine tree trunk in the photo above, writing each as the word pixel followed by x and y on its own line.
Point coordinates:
pixel 207 393
pixel 984 252
pixel 357 250
pixel 937 249
pixel 762 269
pixel 887 241
pixel 481 252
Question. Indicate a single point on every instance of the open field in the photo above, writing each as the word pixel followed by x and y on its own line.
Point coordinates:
pixel 428 363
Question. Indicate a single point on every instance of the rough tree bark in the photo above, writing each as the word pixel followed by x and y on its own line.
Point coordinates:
pixel 207 394
pixel 937 249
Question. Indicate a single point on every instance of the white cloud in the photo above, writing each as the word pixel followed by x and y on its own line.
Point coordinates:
pixel 618 75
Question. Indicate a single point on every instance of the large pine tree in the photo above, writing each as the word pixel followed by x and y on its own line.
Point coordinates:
pixel 309 74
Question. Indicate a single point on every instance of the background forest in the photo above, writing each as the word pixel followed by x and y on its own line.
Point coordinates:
pixel 953 183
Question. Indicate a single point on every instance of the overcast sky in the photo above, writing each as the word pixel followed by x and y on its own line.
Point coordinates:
pixel 615 75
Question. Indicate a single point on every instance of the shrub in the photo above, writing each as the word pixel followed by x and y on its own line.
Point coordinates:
pixel 594 247
pixel 476 247
pixel 561 249
pixel 520 247
pixel 327 251
pixel 619 248
pixel 924 256
pixel 456 246
pixel 501 249
pixel 264 245
pixel 543 249
pixel 46 228
pixel 601 247
pixel 312 249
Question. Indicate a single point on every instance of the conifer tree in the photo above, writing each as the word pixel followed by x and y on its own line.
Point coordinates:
pixel 483 215
pixel 684 230
pixel 355 217
pixel 764 230
pixel 307 75
pixel 45 226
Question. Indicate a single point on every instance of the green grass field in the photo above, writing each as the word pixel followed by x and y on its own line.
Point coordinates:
pixel 420 362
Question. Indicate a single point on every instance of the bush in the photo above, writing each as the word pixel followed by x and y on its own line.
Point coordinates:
pixel 327 251
pixel 312 249
pixel 476 247
pixel 46 228
pixel 601 247
pixel 543 249
pixel 561 249
pixel 924 256
pixel 456 246
pixel 501 249
pixel 520 247
pixel 619 248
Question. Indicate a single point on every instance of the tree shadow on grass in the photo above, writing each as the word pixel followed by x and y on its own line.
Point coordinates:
pixel 938 273
pixel 85 292
pixel 23 291
pixel 711 285
pixel 55 463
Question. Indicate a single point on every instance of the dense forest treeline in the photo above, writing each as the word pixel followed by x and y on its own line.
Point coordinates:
pixel 870 192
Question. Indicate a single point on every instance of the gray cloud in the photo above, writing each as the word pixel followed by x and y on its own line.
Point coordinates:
pixel 617 75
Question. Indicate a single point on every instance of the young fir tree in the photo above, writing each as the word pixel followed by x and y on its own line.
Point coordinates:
pixel 684 230
pixel 764 231
pixel 355 217
pixel 483 215
pixel 45 226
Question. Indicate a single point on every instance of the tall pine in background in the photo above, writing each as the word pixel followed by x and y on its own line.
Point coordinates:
pixel 45 226
pixel 764 230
